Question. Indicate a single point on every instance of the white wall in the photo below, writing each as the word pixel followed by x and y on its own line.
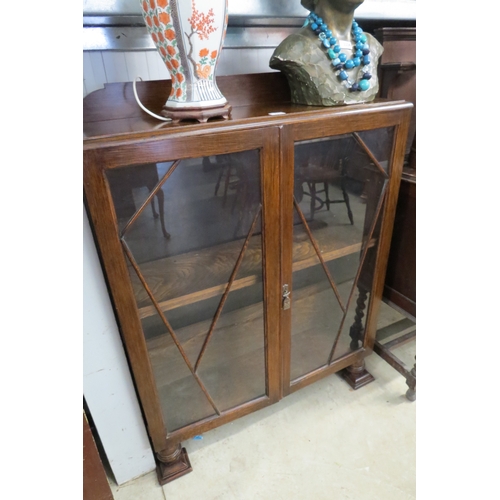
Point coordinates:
pixel 107 384
pixel 100 66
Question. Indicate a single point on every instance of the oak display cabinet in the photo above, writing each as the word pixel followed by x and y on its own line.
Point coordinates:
pixel 245 257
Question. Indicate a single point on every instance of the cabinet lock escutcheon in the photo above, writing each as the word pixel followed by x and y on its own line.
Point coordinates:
pixel 286 297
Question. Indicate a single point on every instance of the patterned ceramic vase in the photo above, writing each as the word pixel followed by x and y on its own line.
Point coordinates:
pixel 189 35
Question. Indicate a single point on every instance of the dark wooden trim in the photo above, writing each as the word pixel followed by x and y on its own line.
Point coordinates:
pixel 407 337
pixel 392 296
pixel 214 421
pixel 95 482
pixel 389 34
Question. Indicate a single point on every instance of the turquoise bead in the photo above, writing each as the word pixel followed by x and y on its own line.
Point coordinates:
pixel 364 84
pixel 340 61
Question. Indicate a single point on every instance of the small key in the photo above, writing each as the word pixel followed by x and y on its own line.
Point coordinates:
pixel 286 298
pixel 286 303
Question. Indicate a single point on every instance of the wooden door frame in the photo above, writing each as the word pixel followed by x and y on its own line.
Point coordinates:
pixel 105 156
pixel 397 115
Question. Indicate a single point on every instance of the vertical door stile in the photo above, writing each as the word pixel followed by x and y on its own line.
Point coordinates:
pixel 271 258
pixel 287 186
pixel 389 211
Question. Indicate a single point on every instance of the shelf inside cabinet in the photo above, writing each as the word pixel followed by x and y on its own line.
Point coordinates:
pixel 199 275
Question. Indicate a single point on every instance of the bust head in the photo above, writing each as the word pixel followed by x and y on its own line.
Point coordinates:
pixel 341 5
pixel 309 4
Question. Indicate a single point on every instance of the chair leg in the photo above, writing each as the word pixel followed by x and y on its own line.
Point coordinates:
pixel 226 185
pixel 218 181
pixel 312 190
pixel 348 204
pixel 327 196
pixel 161 203
pixel 155 213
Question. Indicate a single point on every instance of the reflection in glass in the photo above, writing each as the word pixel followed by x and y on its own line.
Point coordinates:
pixel 338 192
pixel 196 270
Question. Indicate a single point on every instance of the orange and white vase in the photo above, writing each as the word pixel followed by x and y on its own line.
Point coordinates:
pixel 188 35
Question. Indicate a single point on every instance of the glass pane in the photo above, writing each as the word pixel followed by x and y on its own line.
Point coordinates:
pixel 196 269
pixel 236 348
pixel 339 184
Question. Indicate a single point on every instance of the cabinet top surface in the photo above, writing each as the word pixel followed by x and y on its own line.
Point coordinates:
pixel 257 100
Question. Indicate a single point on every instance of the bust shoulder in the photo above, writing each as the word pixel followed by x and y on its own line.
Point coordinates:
pixel 312 78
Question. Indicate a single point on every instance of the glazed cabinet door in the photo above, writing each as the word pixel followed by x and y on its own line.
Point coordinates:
pixel 189 233
pixel 336 217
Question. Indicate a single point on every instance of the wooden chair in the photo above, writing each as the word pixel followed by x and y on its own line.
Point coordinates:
pixel 226 172
pixel 327 165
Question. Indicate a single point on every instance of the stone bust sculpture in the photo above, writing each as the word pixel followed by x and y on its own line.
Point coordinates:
pixel 329 61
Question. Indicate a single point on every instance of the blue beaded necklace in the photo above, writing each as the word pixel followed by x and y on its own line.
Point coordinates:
pixel 340 62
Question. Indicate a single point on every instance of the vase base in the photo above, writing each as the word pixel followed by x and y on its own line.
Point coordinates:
pixel 201 115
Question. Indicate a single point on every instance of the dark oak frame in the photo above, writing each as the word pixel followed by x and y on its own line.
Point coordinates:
pixel 132 139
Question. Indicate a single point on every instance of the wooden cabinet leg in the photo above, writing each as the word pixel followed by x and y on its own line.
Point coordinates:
pixel 356 375
pixel 173 462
